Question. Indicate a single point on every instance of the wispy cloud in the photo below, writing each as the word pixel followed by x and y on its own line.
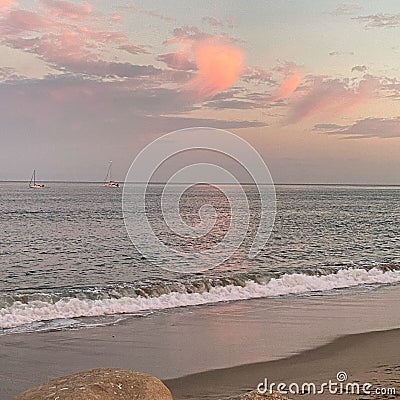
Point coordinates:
pixel 329 97
pixel 390 87
pixel 346 9
pixel 179 61
pixel 215 22
pixel 232 104
pixel 341 53
pixel 156 14
pixel 132 49
pixel 364 128
pixel 185 32
pixel 257 75
pixel 359 68
pixel 150 13
pixel 380 20
pixel 7 73
pixel 326 127
pixel 111 69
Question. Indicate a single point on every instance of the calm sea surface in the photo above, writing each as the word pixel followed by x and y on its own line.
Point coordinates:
pixel 65 252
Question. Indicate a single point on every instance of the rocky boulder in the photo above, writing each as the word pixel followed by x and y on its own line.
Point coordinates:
pixel 100 384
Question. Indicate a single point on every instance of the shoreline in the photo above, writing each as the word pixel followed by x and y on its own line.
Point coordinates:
pixel 249 334
pixel 372 357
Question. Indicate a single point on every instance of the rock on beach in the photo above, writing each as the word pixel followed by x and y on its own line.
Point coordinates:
pixel 100 384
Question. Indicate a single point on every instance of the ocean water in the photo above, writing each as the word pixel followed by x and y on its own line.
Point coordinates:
pixel 66 259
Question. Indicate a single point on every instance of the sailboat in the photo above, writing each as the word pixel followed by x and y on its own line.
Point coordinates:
pixel 108 182
pixel 33 184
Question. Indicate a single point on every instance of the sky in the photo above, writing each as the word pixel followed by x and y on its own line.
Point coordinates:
pixel 314 86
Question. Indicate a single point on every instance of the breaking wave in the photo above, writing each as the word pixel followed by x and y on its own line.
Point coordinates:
pixel 20 309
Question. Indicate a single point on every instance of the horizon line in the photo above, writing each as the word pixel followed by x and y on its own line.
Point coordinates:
pixel 222 183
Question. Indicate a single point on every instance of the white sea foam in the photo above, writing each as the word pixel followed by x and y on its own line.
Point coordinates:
pixel 20 313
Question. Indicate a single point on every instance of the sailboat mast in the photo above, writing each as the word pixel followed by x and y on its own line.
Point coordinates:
pixel 108 176
pixel 32 182
pixel 110 171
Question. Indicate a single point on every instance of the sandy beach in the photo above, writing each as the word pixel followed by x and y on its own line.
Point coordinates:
pixel 370 357
pixel 237 345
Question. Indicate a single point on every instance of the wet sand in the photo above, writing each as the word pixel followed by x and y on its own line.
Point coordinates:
pixel 370 357
pixel 270 338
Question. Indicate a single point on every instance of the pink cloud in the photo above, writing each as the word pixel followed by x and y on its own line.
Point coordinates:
pixel 289 84
pixel 64 41
pixel 116 18
pixel 101 36
pixel 328 98
pixel 22 21
pixel 62 47
pixel 5 5
pixel 217 60
pixel 219 65
pixel 77 51
pixel 65 9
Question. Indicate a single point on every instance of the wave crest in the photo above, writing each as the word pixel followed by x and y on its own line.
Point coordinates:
pixel 21 309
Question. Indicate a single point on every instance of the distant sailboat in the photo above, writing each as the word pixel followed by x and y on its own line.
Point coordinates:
pixel 33 184
pixel 108 182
